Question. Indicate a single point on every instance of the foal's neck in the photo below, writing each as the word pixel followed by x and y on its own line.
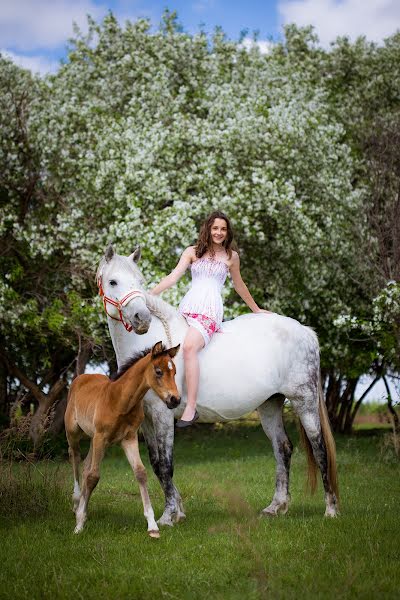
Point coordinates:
pixel 130 388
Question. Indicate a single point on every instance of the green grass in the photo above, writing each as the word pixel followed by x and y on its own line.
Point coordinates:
pixel 223 549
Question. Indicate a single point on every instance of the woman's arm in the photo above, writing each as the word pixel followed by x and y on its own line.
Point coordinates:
pixel 176 274
pixel 241 287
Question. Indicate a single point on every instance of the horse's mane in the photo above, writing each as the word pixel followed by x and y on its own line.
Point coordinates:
pixel 158 306
pixel 132 361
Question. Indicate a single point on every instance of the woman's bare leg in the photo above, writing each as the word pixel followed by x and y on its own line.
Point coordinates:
pixel 193 343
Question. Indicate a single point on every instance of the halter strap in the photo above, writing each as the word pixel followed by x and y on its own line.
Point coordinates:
pixel 119 304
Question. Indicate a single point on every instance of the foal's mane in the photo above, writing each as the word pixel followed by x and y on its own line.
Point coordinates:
pixel 132 361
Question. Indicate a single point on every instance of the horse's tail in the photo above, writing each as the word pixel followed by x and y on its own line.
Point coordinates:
pixel 312 468
pixel 330 448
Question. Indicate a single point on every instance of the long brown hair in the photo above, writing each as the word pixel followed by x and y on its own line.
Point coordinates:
pixel 205 243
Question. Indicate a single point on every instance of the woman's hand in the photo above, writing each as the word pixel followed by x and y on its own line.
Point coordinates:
pixel 262 310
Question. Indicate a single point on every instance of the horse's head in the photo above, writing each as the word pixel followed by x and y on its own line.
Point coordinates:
pixel 160 374
pixel 121 286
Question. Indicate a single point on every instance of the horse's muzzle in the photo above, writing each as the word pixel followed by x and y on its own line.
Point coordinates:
pixel 173 402
pixel 139 326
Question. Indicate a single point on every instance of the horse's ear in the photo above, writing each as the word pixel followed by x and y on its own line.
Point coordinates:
pixel 135 256
pixel 174 351
pixel 109 253
pixel 157 349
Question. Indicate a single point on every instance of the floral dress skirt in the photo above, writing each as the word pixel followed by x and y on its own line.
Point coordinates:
pixel 202 305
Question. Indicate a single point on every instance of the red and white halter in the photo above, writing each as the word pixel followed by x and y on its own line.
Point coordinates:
pixel 119 304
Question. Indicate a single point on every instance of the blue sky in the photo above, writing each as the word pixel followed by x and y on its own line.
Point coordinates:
pixel 34 33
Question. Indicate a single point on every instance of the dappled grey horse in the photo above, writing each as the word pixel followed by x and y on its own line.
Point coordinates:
pixel 256 362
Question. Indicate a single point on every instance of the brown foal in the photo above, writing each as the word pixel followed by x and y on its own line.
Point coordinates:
pixel 110 412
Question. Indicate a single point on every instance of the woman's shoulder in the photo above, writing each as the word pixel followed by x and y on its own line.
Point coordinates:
pixel 190 252
pixel 234 258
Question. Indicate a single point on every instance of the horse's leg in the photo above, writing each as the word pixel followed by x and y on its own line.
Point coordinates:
pixel 130 446
pixel 75 456
pixel 271 420
pixel 321 452
pixel 158 431
pixel 90 479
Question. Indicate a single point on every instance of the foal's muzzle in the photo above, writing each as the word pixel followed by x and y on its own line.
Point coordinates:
pixel 173 402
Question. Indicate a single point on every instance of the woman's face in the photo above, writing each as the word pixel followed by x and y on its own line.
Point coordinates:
pixel 219 231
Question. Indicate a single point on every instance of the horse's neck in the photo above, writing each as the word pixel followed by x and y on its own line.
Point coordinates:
pixel 167 325
pixel 126 344
pixel 129 390
pixel 159 307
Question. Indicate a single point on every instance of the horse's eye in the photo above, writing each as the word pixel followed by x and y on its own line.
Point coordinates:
pixel 158 372
pixel 113 282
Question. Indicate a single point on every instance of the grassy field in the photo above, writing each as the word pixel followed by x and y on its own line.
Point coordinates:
pixel 223 549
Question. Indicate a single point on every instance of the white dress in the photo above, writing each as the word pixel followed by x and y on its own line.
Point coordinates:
pixel 202 304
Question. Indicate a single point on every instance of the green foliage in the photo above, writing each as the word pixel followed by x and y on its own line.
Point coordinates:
pixel 141 133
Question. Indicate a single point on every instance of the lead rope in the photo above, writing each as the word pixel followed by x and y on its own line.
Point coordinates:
pixel 164 321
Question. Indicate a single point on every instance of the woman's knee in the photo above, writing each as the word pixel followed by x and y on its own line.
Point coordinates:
pixel 189 349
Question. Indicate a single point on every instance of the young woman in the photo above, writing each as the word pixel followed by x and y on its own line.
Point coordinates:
pixel 210 260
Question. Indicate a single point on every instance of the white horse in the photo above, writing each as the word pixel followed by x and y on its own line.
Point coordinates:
pixel 256 362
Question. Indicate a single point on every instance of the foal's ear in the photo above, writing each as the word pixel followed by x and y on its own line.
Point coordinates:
pixel 157 349
pixel 109 253
pixel 135 256
pixel 174 351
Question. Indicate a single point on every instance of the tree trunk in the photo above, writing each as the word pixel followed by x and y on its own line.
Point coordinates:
pixel 347 422
pixel 57 422
pixel 36 429
pixel 346 401
pixel 391 408
pixel 45 401
pixel 3 389
pixel 359 402
pixel 333 395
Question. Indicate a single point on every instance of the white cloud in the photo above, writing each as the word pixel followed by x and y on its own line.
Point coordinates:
pixel 263 45
pixel 375 19
pixel 27 24
pixel 37 64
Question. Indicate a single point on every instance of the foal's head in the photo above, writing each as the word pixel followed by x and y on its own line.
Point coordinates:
pixel 160 374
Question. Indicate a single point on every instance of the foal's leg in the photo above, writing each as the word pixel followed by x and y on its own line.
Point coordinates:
pixel 271 419
pixel 90 479
pixel 131 449
pixel 75 456
pixel 158 431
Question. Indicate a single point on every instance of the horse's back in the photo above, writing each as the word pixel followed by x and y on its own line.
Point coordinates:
pixel 252 359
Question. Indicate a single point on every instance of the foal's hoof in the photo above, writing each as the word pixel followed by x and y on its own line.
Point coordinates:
pixel 153 533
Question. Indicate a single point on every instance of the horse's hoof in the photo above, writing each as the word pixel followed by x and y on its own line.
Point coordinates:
pixel 331 512
pixel 275 510
pixel 269 513
pixel 78 529
pixel 153 533
pixel 165 520
pixel 180 516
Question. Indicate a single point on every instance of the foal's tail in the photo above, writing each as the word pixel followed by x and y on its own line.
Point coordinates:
pixel 330 449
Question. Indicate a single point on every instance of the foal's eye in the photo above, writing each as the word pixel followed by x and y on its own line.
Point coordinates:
pixel 113 282
pixel 158 371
